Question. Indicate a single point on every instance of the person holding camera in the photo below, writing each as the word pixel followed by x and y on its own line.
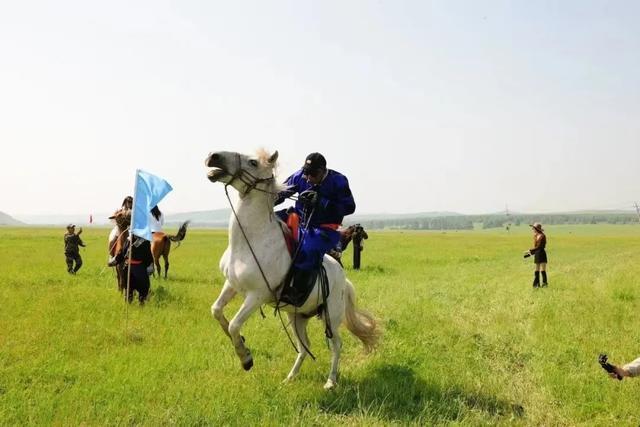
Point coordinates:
pixel 72 241
pixel 324 199
pixel 539 254
pixel 631 369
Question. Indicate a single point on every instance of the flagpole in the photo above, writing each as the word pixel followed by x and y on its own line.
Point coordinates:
pixel 133 213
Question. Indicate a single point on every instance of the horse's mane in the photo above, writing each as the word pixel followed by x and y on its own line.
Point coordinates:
pixel 263 157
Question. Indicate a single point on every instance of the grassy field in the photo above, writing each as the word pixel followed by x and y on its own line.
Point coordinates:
pixel 467 340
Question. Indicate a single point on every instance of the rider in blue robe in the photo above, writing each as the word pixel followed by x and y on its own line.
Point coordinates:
pixel 324 199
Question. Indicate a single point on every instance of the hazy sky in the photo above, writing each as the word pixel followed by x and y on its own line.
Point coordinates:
pixel 443 105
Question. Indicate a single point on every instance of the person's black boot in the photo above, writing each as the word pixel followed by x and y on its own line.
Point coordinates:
pixel 544 279
pixel 536 280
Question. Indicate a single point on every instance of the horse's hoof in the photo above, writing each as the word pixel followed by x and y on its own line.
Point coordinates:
pixel 248 364
pixel 330 385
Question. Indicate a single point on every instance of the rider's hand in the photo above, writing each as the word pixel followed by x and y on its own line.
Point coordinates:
pixel 619 372
pixel 309 198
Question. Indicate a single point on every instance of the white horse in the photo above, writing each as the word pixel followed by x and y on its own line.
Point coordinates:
pixel 257 260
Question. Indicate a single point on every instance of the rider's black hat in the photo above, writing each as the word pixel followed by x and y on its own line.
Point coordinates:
pixel 314 162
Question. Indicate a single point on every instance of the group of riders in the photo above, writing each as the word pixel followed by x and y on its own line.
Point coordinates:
pixel 135 258
pixel 324 199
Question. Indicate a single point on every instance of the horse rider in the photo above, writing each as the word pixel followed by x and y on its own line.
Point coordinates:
pixel 539 255
pixel 127 204
pixel 156 220
pixel 72 241
pixel 324 199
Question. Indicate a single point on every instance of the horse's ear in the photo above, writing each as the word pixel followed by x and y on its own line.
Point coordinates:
pixel 273 157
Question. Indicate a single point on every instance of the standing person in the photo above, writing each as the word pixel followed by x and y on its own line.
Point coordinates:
pixel 72 241
pixel 141 261
pixel 324 198
pixel 539 255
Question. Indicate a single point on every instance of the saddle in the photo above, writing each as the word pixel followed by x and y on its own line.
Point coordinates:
pixel 291 233
pixel 298 284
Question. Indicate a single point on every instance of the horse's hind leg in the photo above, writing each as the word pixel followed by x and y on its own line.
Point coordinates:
pixel 250 304
pixel 165 255
pixel 156 261
pixel 217 309
pixel 335 310
pixel 300 329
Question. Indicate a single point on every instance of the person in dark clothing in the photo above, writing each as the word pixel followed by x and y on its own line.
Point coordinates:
pixel 72 243
pixel 324 198
pixel 141 259
pixel 539 255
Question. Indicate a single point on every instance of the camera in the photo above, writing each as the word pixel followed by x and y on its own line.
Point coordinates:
pixel 527 255
pixel 603 360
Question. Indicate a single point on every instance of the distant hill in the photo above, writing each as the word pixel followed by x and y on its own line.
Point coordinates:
pixel 53 219
pixel 213 218
pixel 6 219
pixel 220 217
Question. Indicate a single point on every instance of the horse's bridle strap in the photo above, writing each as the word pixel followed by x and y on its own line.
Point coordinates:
pixel 248 179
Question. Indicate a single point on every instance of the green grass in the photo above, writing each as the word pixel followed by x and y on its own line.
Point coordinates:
pixel 467 340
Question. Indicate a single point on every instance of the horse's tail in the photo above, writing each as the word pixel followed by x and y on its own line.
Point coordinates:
pixel 181 234
pixel 360 323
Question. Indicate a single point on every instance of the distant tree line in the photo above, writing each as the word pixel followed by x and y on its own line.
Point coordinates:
pixel 466 222
pixel 500 221
pixel 421 223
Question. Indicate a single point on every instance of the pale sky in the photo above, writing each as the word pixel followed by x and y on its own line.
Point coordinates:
pixel 425 105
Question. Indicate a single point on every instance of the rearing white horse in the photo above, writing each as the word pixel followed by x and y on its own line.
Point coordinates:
pixel 257 260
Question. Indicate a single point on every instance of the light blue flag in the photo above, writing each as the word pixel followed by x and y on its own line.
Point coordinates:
pixel 149 190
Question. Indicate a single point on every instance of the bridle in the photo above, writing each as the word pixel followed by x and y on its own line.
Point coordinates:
pixel 251 182
pixel 248 179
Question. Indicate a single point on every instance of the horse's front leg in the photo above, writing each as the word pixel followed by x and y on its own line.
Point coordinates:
pixel 217 309
pixel 250 304
pixel 300 328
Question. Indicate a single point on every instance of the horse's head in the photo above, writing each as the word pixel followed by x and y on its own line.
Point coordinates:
pixel 240 171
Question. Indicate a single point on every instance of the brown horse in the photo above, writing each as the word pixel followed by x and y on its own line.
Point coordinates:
pixel 161 246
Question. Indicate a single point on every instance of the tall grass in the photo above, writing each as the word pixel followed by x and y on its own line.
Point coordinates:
pixel 467 340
